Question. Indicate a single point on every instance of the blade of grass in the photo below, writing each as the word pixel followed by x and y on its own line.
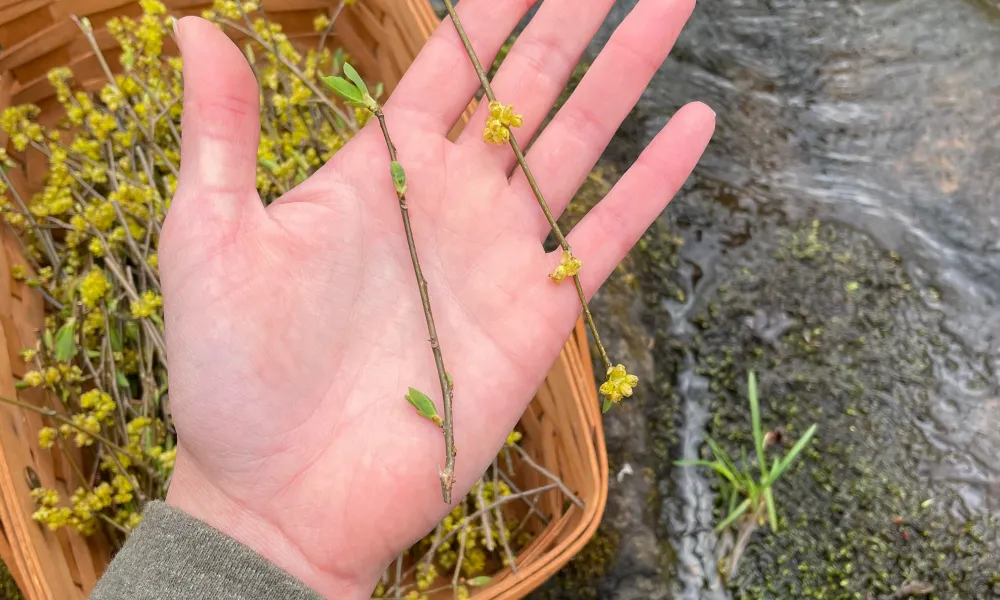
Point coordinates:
pixel 772 512
pixel 758 430
pixel 721 454
pixel 733 498
pixel 715 466
pixel 742 508
pixel 787 459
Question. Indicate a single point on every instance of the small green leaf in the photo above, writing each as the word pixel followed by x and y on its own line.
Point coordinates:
pixel 65 348
pixel 607 405
pixel 122 380
pixel 927 503
pixel 451 382
pixel 338 59
pixel 20 385
pixel 479 581
pixel 379 90
pixel 398 178
pixel 344 88
pixel 358 81
pixel 47 338
pixel 267 163
pixel 424 405
pixel 852 286
pixel 93 353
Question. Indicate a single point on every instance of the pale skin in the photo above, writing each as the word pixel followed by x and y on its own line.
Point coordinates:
pixel 293 331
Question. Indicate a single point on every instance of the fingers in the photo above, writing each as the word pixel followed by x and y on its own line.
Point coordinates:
pixel 603 238
pixel 439 85
pixel 539 65
pixel 579 133
pixel 220 128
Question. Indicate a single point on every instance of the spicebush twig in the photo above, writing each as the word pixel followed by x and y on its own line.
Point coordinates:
pixel 556 230
pixel 448 473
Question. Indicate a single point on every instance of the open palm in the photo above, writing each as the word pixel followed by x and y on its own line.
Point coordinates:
pixel 294 331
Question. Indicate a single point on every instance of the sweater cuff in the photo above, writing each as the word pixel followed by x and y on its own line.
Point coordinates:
pixel 173 556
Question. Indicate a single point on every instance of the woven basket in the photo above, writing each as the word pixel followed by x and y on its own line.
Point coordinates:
pixel 562 427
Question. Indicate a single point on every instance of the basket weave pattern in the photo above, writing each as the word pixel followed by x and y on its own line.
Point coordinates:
pixel 562 427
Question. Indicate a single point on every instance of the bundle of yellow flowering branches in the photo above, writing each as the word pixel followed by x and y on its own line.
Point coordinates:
pixel 90 238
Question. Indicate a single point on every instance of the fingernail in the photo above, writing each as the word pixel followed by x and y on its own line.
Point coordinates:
pixel 177 33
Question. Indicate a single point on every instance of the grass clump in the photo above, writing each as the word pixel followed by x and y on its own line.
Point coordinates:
pixel 751 483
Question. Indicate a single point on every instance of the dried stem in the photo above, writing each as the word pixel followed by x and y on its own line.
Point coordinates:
pixel 462 539
pixel 534 465
pixel 448 473
pixel 329 27
pixel 487 528
pixel 519 154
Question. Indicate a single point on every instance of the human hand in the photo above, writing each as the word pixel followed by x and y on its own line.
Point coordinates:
pixel 293 331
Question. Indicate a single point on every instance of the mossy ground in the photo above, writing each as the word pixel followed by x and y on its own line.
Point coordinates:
pixel 840 337
pixel 8 588
pixel 578 580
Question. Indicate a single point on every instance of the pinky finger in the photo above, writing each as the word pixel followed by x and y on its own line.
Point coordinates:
pixel 603 238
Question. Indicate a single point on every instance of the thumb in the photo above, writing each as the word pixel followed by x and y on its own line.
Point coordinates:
pixel 220 127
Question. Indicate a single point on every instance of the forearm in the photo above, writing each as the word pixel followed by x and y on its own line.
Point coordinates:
pixel 172 556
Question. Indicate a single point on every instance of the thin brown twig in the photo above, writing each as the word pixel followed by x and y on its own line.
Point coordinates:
pixel 487 527
pixel 519 154
pixel 462 539
pixel 534 465
pixel 448 473
pixel 329 27
pixel 501 524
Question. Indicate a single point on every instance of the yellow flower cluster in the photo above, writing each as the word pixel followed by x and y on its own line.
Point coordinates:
pixel 569 266
pixel 146 305
pixel 619 384
pixel 502 117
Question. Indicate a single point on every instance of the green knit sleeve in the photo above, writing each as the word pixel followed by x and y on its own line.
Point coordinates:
pixel 172 556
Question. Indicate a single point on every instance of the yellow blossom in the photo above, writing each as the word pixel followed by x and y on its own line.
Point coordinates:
pixel 146 305
pixel 569 266
pixel 502 117
pixel 619 384
pixel 33 379
pixel 47 437
pixel 93 287
pixel 321 22
pixel 513 438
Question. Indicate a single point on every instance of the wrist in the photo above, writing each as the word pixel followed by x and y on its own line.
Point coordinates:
pixel 193 493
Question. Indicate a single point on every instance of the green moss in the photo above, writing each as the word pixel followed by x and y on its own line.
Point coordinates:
pixel 857 360
pixel 8 587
